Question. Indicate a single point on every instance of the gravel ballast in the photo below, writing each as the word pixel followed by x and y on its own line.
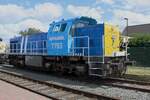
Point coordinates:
pixel 123 94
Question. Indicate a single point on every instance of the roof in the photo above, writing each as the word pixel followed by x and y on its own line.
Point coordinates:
pixel 138 29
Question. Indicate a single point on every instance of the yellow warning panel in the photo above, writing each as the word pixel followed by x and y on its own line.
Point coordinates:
pixel 111 40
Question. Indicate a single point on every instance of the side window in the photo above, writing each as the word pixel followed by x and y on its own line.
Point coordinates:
pixel 63 27
pixel 44 44
pixel 11 46
pixel 78 25
pixel 74 26
pixel 15 46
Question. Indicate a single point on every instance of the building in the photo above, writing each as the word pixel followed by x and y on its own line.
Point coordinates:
pixel 138 29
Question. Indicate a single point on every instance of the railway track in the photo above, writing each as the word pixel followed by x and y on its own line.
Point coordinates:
pixel 114 82
pixel 128 84
pixel 50 90
pixel 121 83
pixel 117 82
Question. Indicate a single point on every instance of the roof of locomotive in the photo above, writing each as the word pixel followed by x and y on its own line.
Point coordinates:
pixel 18 38
pixel 83 19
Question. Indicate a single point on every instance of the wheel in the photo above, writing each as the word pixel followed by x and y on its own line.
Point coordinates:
pixel 110 71
pixel 124 69
pixel 104 73
pixel 115 71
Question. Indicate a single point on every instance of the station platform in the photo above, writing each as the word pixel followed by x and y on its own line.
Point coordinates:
pixel 11 92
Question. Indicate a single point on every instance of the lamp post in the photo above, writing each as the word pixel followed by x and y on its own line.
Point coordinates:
pixel 126 25
pixel 126 37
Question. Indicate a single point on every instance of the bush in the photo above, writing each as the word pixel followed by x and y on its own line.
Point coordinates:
pixel 29 31
pixel 140 40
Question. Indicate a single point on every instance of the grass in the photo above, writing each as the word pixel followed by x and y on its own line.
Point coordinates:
pixel 138 73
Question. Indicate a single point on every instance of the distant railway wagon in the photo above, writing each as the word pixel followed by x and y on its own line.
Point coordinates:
pixel 72 46
pixel 2 51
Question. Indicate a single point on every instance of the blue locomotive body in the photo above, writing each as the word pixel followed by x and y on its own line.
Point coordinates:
pixel 92 37
pixel 71 46
pixel 30 44
pixel 59 41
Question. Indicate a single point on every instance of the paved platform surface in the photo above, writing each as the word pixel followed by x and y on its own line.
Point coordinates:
pixel 11 92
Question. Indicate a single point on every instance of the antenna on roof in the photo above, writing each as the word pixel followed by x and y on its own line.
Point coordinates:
pixel 63 19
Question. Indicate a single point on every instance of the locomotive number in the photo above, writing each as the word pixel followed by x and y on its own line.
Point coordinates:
pixel 57 45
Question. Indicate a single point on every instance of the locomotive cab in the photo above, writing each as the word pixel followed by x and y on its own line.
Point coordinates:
pixel 60 35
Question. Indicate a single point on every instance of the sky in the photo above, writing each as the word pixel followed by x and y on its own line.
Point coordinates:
pixel 17 15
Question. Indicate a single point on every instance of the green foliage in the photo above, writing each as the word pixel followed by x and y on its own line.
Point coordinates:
pixel 29 31
pixel 140 40
pixel 90 21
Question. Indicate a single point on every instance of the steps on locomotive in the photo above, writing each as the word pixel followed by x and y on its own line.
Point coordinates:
pixel 95 69
pixel 95 60
pixel 95 66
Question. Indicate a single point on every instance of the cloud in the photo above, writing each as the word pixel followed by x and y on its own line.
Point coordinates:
pixel 14 18
pixel 10 30
pixel 85 11
pixel 47 11
pixel 32 23
pixel 105 1
pixel 7 31
pixel 136 5
pixel 12 13
pixel 134 18
pixel 142 3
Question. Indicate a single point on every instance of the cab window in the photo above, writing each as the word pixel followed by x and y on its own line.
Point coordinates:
pixel 56 28
pixel 63 27
pixel 60 27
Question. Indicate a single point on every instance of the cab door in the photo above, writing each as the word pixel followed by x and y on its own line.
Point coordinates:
pixel 57 39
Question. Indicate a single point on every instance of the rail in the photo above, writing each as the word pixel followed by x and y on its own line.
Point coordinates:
pixel 128 84
pixel 50 90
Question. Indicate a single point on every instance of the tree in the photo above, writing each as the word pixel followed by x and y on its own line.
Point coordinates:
pixel 29 31
pixel 140 40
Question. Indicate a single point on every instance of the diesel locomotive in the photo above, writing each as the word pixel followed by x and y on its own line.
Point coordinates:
pixel 72 46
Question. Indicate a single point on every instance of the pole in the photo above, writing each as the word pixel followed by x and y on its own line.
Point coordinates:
pixel 127 37
pixel 126 26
